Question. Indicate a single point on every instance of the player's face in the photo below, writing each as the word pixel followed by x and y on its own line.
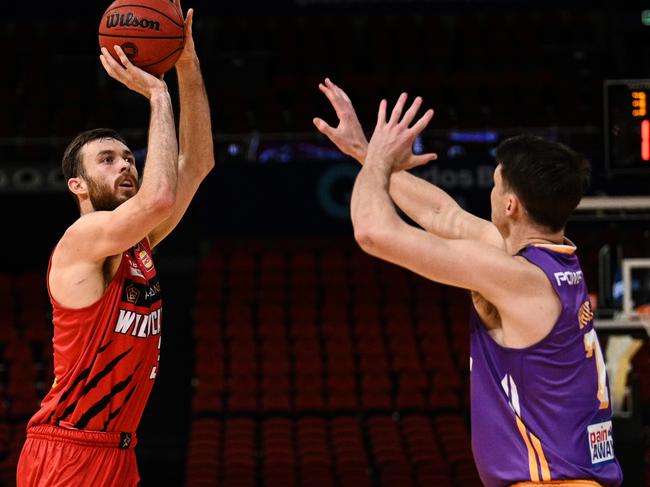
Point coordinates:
pixel 111 174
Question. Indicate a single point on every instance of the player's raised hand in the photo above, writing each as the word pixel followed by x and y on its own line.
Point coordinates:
pixel 188 54
pixel 348 135
pixel 392 141
pixel 130 75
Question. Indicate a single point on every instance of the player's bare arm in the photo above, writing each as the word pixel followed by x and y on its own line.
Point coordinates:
pixel 431 207
pixel 196 151
pixel 516 288
pixel 81 255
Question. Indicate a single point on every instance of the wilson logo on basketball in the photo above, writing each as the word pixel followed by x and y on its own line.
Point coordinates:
pixel 130 20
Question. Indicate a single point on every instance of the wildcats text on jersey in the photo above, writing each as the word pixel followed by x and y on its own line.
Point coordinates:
pixel 601 442
pixel 138 325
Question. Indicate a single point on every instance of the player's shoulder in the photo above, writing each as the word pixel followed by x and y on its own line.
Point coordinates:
pixel 85 226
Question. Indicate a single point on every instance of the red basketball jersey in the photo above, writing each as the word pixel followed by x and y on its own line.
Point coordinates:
pixel 106 355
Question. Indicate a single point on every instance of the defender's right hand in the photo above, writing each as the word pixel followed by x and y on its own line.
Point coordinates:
pixel 348 136
pixel 130 75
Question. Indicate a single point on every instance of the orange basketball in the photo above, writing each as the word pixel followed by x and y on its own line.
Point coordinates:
pixel 150 32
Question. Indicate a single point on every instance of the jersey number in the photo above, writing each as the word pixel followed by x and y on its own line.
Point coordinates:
pixel 154 369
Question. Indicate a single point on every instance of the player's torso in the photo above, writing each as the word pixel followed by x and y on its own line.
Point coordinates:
pixel 511 326
pixel 106 355
pixel 536 411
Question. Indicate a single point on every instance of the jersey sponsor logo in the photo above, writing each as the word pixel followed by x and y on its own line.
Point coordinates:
pixel 143 257
pixel 141 294
pixel 601 442
pixel 152 291
pixel 571 278
pixel 138 325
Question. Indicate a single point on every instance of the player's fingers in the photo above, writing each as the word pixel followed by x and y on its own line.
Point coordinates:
pixel 107 67
pixel 344 95
pixel 422 159
pixel 328 93
pixel 123 57
pixel 188 22
pixel 338 91
pixel 397 109
pixel 422 122
pixel 109 61
pixel 323 127
pixel 381 114
pixel 411 112
pixel 331 96
pixel 326 90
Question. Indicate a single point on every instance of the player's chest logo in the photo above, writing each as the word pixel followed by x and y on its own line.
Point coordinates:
pixel 141 263
pixel 132 294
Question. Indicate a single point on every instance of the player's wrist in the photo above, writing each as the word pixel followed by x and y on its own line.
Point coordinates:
pixel 378 163
pixel 159 94
pixel 188 62
pixel 360 149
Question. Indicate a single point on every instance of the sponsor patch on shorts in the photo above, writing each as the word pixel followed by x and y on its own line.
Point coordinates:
pixel 601 442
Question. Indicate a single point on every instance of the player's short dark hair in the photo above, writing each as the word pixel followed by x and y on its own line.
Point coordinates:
pixel 72 164
pixel 548 177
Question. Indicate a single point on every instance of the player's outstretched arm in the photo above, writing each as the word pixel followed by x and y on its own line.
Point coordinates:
pixel 196 149
pixel 431 207
pixel 101 234
pixel 380 231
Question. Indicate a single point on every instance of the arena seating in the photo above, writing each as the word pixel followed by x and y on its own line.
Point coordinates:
pixel 25 364
pixel 477 68
pixel 326 367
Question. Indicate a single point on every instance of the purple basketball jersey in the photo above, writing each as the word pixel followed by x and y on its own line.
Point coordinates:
pixel 542 412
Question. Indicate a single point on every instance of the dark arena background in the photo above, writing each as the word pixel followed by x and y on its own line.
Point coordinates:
pixel 290 357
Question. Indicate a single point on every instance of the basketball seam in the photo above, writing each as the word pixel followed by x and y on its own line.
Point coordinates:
pixel 161 60
pixel 148 8
pixel 140 37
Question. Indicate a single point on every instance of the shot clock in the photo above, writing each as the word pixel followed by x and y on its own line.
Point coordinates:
pixel 627 126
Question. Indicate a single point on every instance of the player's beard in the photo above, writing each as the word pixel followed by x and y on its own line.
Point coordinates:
pixel 102 196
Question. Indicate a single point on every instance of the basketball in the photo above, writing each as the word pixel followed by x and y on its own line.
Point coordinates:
pixel 150 32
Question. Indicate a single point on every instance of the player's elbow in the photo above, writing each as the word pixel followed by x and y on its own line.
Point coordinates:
pixel 161 204
pixel 368 237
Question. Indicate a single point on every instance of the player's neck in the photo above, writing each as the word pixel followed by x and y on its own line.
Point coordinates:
pixel 85 207
pixel 521 236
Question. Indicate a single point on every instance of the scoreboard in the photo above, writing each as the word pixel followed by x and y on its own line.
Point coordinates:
pixel 627 126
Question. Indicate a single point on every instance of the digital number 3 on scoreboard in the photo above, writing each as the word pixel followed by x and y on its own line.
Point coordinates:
pixel 640 110
pixel 627 126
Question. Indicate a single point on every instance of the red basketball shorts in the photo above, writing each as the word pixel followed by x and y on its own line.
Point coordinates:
pixel 53 456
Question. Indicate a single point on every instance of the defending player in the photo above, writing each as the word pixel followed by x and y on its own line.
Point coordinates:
pixel 539 391
pixel 105 294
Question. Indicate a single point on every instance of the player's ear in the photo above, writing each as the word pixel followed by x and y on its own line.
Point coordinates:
pixel 77 185
pixel 512 204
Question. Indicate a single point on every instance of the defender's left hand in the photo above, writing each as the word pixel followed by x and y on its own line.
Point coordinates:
pixel 392 141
